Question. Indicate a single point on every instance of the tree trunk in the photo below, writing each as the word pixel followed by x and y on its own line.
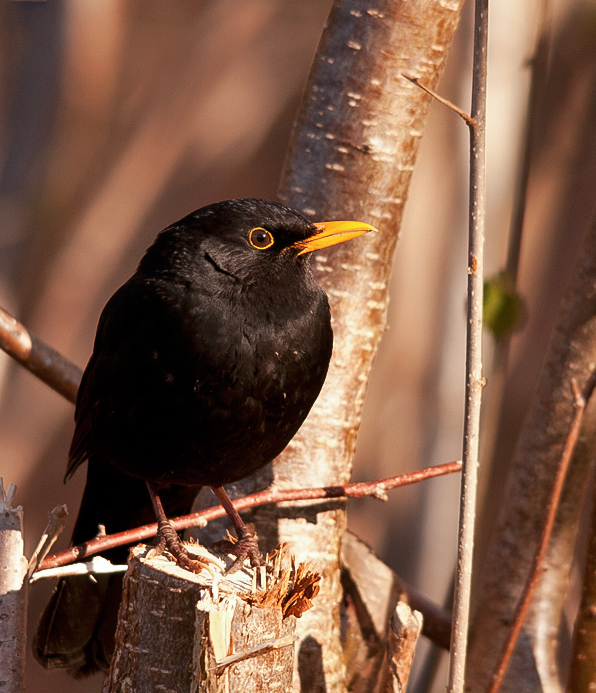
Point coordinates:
pixel 351 157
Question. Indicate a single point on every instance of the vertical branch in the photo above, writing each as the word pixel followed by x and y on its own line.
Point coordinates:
pixel 474 380
pixel 539 63
pixel 494 415
pixel 13 594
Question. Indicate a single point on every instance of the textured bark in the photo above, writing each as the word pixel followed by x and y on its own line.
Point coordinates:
pixel 351 157
pixel 13 595
pixel 510 552
pixel 178 631
pixel 582 672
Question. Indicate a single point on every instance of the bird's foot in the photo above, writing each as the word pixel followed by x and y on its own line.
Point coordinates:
pixel 246 547
pixel 168 539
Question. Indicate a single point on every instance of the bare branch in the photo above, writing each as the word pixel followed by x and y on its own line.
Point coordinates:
pixel 56 522
pixel 517 531
pixel 406 626
pixel 469 120
pixel 474 379
pixel 373 488
pixel 96 566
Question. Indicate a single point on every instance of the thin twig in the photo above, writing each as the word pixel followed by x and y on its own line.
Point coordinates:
pixel 56 521
pixel 494 418
pixel 268 646
pixel 474 379
pixel 553 502
pixel 372 488
pixel 469 120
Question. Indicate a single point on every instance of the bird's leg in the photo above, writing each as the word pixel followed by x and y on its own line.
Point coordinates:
pixel 167 537
pixel 247 545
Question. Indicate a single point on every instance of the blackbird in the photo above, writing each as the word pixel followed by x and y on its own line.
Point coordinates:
pixel 205 364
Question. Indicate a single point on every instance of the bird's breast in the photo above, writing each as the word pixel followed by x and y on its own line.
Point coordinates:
pixel 221 392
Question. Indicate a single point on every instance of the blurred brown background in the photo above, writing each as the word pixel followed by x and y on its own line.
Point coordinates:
pixel 118 117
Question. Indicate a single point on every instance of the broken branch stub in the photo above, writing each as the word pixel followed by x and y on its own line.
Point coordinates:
pixel 13 594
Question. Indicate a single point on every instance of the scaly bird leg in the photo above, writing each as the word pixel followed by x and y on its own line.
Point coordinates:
pixel 168 538
pixel 247 545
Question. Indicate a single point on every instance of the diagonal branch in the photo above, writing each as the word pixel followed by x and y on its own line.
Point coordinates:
pixel 371 488
pixel 39 358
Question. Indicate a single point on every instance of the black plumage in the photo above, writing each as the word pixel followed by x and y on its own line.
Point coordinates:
pixel 205 364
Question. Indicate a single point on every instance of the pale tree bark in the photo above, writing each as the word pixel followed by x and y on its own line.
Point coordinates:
pixel 351 157
pixel 538 451
pixel 382 627
pixel 13 594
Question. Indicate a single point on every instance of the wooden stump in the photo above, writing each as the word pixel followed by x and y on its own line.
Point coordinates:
pixel 178 631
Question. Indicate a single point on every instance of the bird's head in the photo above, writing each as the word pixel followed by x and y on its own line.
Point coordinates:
pixel 246 238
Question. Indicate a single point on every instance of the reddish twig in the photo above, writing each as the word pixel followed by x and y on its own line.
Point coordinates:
pixel 535 572
pixel 39 358
pixel 370 488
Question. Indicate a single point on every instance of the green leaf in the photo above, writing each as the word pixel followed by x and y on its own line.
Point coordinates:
pixel 503 308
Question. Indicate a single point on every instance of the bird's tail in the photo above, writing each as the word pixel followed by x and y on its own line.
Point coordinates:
pixel 76 631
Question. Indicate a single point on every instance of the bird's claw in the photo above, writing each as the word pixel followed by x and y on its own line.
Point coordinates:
pixel 168 539
pixel 246 547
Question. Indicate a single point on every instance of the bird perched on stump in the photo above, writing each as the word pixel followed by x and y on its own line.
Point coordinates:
pixel 205 364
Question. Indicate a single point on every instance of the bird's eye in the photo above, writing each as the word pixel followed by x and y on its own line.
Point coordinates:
pixel 260 238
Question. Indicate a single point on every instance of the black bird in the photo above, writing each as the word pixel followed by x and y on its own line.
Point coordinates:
pixel 205 364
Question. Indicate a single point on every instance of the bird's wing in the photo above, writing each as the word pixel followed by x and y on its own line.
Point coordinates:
pixel 116 318
pixel 80 447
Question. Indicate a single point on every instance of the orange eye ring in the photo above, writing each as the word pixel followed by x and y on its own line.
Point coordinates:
pixel 260 238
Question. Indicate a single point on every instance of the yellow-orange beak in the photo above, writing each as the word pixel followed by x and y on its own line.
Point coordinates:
pixel 331 233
